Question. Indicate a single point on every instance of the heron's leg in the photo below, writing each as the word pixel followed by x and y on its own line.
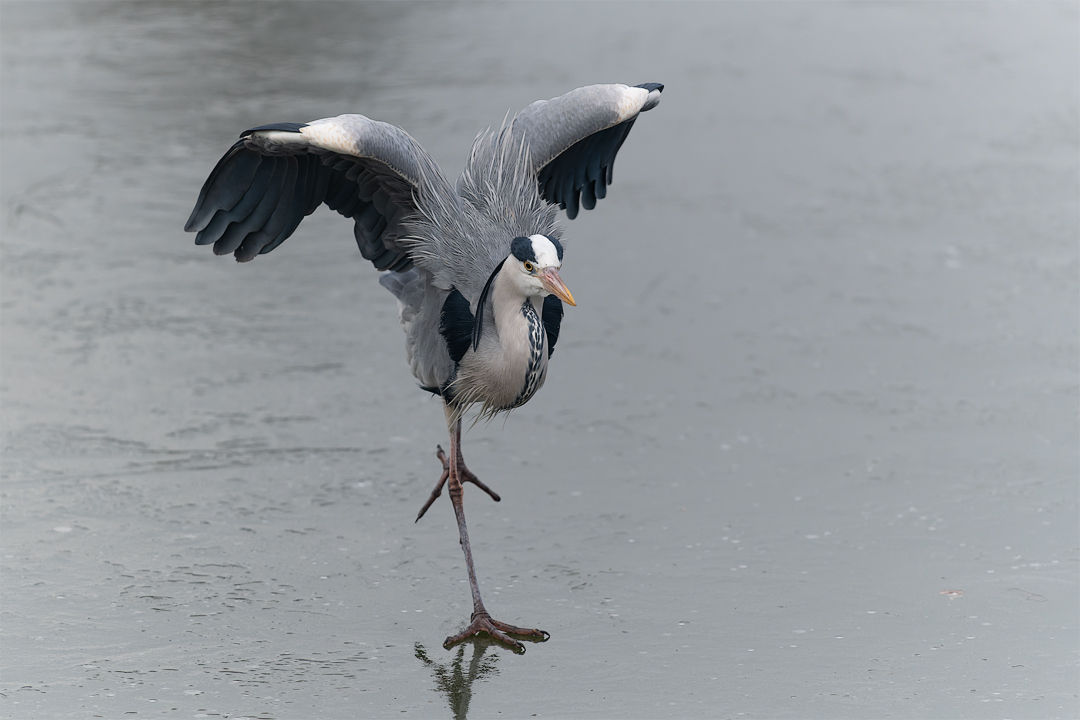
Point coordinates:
pixel 463 473
pixel 481 620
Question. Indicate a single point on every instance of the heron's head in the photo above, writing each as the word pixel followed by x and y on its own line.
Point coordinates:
pixel 536 261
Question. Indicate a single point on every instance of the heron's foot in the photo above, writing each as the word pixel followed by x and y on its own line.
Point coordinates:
pixel 464 475
pixel 500 631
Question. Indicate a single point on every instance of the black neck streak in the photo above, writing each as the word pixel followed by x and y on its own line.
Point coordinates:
pixel 535 370
pixel 478 325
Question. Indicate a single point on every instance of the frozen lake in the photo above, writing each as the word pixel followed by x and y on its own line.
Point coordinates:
pixel 809 447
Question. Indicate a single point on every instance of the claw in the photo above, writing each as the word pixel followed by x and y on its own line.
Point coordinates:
pixel 500 631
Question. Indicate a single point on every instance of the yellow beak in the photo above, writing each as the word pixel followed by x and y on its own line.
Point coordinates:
pixel 551 281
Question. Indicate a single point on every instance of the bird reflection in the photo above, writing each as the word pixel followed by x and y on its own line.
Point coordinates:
pixel 455 679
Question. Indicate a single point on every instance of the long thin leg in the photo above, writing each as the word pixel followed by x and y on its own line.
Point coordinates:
pixel 481 620
pixel 463 473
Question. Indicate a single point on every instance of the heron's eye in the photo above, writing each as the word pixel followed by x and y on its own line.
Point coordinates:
pixel 529 266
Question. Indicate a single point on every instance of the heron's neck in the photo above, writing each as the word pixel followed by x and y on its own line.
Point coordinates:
pixel 521 337
pixel 507 300
pixel 517 321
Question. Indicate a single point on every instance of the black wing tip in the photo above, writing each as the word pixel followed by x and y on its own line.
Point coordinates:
pixel 654 95
pixel 281 127
pixel 201 215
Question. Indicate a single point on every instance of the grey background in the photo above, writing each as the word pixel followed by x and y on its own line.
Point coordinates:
pixel 822 377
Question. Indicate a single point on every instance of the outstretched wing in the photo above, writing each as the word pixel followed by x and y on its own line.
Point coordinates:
pixel 277 174
pixel 573 139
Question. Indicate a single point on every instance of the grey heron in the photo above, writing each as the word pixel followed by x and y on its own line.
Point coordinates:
pixel 475 268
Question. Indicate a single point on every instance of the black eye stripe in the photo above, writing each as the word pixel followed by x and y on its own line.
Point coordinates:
pixel 522 249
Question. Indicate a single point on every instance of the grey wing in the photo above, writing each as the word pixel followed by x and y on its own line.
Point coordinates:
pixel 277 174
pixel 573 139
pixel 419 306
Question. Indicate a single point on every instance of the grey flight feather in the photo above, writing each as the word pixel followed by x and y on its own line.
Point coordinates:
pixel 276 174
pixel 553 126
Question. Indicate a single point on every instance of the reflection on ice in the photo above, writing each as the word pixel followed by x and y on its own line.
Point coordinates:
pixel 454 679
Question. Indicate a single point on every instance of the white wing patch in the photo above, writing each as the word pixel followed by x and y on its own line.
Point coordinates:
pixel 332 134
pixel 268 140
pixel 631 102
